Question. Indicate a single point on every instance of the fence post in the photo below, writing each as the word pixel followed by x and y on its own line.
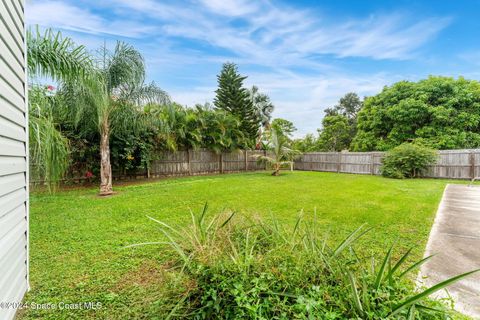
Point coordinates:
pixel 246 159
pixel 220 160
pixel 372 159
pixel 472 165
pixel 339 161
pixel 189 167
pixel 265 154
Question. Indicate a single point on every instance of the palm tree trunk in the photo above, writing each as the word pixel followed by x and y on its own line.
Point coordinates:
pixel 105 166
pixel 258 143
pixel 276 167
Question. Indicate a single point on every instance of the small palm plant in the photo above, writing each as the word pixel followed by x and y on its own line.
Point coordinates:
pixel 280 152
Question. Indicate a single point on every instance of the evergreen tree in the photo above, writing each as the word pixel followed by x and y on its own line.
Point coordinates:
pixel 232 97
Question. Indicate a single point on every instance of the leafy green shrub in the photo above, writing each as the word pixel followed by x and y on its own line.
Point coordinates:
pixel 407 161
pixel 241 269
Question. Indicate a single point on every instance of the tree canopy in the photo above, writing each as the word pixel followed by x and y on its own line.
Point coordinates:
pixel 335 134
pixel 349 105
pixel 284 127
pixel 339 125
pixel 232 97
pixel 439 112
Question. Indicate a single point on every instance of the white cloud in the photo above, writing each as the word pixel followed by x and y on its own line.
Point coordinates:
pixel 230 7
pixel 385 37
pixel 276 34
pixel 62 15
pixel 193 96
pixel 271 42
pixel 266 33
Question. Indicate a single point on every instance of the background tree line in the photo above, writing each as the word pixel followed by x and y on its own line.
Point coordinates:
pixel 437 112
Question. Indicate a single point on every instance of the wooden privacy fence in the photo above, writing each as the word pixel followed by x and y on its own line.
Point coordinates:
pixel 195 162
pixel 452 164
pixel 179 163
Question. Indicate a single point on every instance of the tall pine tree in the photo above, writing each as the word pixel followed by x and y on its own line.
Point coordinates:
pixel 234 98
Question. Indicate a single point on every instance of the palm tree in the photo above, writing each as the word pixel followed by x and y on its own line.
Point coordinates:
pixel 50 55
pixel 264 108
pixel 280 153
pixel 118 87
pixel 178 127
pixel 220 130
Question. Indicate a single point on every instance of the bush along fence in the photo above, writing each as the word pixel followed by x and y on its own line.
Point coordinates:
pixel 451 164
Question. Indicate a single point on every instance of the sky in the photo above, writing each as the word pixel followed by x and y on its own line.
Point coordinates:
pixel 304 54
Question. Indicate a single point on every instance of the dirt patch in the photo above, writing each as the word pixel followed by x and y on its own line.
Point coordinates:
pixel 149 273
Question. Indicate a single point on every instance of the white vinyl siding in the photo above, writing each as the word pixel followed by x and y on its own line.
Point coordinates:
pixel 13 157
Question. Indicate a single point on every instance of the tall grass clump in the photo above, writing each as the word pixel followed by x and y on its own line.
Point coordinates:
pixel 226 267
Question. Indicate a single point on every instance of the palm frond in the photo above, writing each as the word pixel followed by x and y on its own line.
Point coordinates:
pixel 51 55
pixel 49 149
pixel 124 69
pixel 150 93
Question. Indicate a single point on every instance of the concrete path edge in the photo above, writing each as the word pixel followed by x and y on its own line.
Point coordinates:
pixel 455 241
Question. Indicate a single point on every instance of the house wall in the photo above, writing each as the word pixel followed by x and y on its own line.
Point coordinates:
pixel 13 158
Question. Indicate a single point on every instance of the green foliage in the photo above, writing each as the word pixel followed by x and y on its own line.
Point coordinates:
pixel 308 143
pixel 232 97
pixel 49 149
pixel 339 124
pixel 220 130
pixel 281 154
pixel 264 108
pixel 263 105
pixel 408 160
pixel 349 105
pixel 120 87
pixel 51 55
pixel 131 152
pixel 335 134
pixel 111 103
pixel 199 127
pixel 243 269
pixel 338 127
pixel 440 112
pixel 283 127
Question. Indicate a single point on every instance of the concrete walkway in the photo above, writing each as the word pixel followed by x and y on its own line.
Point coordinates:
pixel 455 239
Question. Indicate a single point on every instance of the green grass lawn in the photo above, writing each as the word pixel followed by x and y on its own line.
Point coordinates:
pixel 77 238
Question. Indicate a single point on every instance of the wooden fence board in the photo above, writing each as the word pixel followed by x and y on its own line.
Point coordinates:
pixel 451 164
